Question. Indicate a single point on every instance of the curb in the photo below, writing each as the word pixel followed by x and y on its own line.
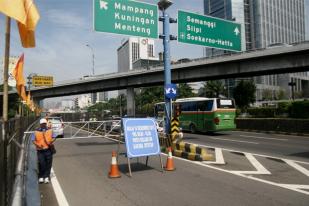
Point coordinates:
pixel 191 152
pixel 274 132
pixel 192 156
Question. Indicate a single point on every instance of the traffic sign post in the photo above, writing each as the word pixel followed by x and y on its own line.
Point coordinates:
pixel 39 81
pixel 141 138
pixel 208 31
pixel 126 17
pixel 171 91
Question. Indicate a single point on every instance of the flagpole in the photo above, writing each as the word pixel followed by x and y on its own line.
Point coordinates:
pixel 5 106
pixel 6 69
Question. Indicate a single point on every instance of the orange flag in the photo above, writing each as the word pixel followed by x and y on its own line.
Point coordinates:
pixel 19 77
pixel 27 17
pixel 28 100
pixel 22 93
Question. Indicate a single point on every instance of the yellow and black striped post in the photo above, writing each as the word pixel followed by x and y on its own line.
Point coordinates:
pixel 175 128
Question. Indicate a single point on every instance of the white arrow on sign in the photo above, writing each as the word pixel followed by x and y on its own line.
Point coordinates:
pixel 236 31
pixel 168 90
pixel 173 90
pixel 103 5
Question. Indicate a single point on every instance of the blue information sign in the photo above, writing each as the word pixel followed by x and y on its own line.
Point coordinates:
pixel 171 91
pixel 141 137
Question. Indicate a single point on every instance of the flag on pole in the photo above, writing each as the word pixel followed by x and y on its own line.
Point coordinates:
pixel 18 74
pixel 28 100
pixel 27 17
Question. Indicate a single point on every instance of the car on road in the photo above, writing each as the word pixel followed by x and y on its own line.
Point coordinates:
pixel 56 124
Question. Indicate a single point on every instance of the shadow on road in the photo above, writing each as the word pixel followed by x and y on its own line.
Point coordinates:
pixel 301 154
pixel 94 143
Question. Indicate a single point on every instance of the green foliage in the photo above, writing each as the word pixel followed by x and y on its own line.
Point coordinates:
pixel 185 91
pixel 212 89
pixel 299 109
pixel 262 112
pixel 283 107
pixel 113 105
pixel 244 94
pixel 267 94
pixel 281 94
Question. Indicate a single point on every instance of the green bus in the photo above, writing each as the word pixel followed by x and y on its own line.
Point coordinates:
pixel 200 114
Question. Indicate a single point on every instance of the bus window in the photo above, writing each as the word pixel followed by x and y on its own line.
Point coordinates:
pixel 209 105
pixel 225 104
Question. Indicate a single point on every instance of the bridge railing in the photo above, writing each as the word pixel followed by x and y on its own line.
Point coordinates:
pixel 11 149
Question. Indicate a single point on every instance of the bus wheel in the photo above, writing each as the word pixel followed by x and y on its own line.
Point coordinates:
pixel 192 128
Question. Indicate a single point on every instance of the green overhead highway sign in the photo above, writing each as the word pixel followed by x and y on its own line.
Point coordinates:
pixel 208 31
pixel 126 17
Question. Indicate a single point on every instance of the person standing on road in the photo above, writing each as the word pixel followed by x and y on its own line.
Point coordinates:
pixel 43 138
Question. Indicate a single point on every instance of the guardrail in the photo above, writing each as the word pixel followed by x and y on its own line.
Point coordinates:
pixel 11 149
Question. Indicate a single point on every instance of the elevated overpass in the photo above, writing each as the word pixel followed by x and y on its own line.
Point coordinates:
pixel 276 60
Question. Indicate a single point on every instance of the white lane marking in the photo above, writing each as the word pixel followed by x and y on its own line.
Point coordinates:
pixel 270 138
pixel 231 140
pixel 62 201
pixel 260 169
pixel 297 167
pixel 286 186
pixel 219 158
pixel 260 155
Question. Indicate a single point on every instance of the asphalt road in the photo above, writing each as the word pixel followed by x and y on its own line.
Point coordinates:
pixel 81 167
pixel 285 146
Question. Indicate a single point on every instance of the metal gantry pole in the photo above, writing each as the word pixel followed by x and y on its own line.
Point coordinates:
pixel 167 68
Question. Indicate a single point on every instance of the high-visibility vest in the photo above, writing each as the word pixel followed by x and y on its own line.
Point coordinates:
pixel 40 141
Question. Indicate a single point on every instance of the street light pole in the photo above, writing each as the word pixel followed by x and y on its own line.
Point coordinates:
pixel 87 45
pixel 93 95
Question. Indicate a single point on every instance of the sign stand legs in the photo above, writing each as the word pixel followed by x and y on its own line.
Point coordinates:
pixel 129 165
pixel 161 163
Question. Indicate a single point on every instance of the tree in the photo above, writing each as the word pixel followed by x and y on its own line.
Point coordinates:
pixel 267 94
pixel 281 94
pixel 147 97
pixel 13 102
pixel 212 89
pixel 185 91
pixel 244 94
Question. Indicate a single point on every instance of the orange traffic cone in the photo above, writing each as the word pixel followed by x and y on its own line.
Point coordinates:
pixel 114 172
pixel 169 162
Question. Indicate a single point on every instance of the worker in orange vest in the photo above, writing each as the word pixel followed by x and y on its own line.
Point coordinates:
pixel 43 138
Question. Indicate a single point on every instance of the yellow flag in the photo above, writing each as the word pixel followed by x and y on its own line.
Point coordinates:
pixel 27 17
pixel 14 9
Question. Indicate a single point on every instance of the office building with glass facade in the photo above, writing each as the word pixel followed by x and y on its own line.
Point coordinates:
pixel 267 23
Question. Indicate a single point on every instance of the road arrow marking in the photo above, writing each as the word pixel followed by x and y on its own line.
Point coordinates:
pixel 236 31
pixel 103 5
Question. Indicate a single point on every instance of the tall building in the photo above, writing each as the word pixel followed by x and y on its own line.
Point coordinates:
pixel 265 24
pixel 136 51
pixel 133 50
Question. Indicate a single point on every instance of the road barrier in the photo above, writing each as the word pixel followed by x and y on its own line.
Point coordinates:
pixel 13 154
pixel 191 151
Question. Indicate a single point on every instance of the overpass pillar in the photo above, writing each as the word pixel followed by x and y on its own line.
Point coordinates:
pixel 130 102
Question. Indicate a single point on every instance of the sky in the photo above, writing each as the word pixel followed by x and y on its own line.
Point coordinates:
pixel 64 30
